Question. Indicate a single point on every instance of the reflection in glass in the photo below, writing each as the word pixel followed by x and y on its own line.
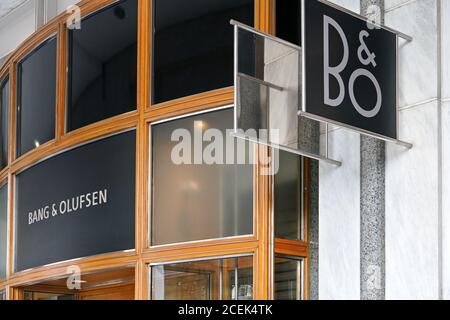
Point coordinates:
pixel 269 91
pixel 288 197
pixel 2 295
pixel 204 280
pixel 102 60
pixel 3 228
pixel 288 279
pixel 199 201
pixel 4 122
pixel 29 295
pixel 36 98
pixel 193 45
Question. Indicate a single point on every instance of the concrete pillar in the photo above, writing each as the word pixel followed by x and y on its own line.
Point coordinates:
pixel 372 202
pixel 309 139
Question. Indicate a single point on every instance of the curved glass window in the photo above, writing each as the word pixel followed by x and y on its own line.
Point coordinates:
pixel 288 194
pixel 3 228
pixel 36 98
pixel 193 45
pixel 4 122
pixel 102 65
pixel 211 200
pixel 220 279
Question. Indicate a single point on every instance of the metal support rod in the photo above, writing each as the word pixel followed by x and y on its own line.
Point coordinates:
pixel 356 15
pixel 261 82
pixel 284 148
pixel 358 130
pixel 263 34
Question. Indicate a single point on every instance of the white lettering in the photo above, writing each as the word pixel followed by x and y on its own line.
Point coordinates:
pixel 333 71
pixel 366 113
pixel 73 204
pixel 104 196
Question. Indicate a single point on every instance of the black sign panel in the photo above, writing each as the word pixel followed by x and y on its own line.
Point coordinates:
pixel 350 70
pixel 77 204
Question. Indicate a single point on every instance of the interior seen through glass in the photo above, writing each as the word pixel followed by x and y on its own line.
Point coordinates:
pixel 287 281
pixel 115 284
pixel 204 280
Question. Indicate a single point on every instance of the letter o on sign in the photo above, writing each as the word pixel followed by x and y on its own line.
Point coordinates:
pixel 366 113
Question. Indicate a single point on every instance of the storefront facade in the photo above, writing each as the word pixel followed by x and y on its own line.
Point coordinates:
pixel 92 205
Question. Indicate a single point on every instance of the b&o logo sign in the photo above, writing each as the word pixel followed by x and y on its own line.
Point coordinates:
pixel 350 70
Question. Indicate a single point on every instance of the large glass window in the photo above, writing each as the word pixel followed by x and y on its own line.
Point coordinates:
pixel 288 278
pixel 102 65
pixel 288 197
pixel 36 98
pixel 221 279
pixel 193 45
pixel 3 229
pixel 4 122
pixel 192 199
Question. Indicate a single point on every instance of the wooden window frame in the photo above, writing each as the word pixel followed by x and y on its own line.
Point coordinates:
pixel 261 245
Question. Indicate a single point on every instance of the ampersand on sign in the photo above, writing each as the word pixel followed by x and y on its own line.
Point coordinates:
pixel 364 49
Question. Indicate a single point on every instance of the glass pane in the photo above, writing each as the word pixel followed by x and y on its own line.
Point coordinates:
pixel 288 20
pixel 3 228
pixel 242 271
pixel 200 201
pixel 268 90
pixel 288 197
pixel 2 295
pixel 47 296
pixel 187 59
pixel 4 122
pixel 204 280
pixel 102 60
pixel 288 279
pixel 36 98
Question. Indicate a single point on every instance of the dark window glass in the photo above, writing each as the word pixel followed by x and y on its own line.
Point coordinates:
pixel 288 197
pixel 4 122
pixel 288 279
pixel 199 201
pixel 36 98
pixel 193 45
pixel 3 228
pixel 289 20
pixel 102 60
